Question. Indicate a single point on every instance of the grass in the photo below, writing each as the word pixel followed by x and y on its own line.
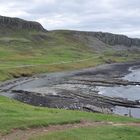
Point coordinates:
pixel 14 114
pixel 53 49
pixel 42 49
pixel 97 133
pixel 47 52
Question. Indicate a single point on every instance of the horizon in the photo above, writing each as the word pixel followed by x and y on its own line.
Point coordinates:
pixel 117 17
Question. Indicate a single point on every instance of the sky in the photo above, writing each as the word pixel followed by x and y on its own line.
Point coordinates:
pixel 116 16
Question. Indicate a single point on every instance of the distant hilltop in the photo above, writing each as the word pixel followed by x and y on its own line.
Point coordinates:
pixel 19 24
pixel 93 39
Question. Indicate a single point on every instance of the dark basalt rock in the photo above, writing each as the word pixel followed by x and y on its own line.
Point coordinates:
pixel 114 39
pixel 74 100
pixel 109 38
pixel 18 24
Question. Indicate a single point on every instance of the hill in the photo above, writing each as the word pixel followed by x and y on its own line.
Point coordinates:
pixel 19 24
pixel 27 48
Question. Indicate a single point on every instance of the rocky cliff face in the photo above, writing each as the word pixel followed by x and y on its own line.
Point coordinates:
pixel 113 39
pixel 110 39
pixel 18 24
pixel 93 38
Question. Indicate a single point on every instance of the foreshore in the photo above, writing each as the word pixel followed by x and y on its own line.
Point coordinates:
pixel 74 90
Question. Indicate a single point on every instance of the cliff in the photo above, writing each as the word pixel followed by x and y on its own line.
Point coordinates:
pixel 93 39
pixel 19 24
pixel 110 39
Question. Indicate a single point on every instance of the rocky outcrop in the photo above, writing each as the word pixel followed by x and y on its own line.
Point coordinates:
pixel 18 24
pixel 114 39
pixel 73 100
pixel 108 38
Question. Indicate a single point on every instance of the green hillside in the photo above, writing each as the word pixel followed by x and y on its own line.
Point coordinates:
pixel 26 48
pixel 24 53
pixel 14 114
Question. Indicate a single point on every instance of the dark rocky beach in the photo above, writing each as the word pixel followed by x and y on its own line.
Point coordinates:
pixel 74 90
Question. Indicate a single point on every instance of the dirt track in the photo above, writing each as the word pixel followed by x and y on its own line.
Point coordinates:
pixel 17 134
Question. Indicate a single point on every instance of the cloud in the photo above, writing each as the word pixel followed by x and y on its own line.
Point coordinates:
pixel 117 16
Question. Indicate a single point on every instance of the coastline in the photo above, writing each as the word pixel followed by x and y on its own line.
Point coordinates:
pixel 73 90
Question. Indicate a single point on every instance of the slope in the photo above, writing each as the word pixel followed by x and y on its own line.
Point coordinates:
pixel 26 48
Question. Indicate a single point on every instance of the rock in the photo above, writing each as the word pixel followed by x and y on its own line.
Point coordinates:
pixel 19 24
pixel 109 38
pixel 73 100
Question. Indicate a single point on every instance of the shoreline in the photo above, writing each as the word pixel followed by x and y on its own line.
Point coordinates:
pixel 72 90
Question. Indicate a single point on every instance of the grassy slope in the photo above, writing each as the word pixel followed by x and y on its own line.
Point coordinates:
pixel 14 114
pixel 42 49
pixel 97 133
pixel 39 49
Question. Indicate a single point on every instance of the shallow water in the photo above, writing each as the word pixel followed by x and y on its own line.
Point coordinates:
pixel 134 75
pixel 131 92
pixel 130 112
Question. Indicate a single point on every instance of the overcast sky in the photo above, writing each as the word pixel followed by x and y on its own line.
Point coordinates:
pixel 116 16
